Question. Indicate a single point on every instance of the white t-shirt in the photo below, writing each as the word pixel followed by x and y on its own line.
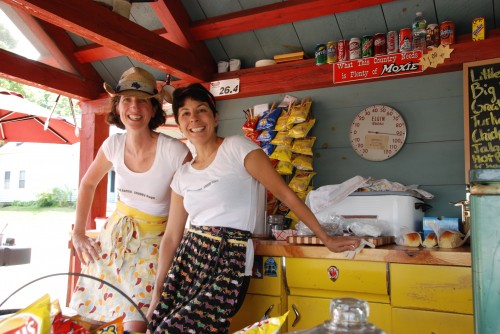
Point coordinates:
pixel 223 194
pixel 150 191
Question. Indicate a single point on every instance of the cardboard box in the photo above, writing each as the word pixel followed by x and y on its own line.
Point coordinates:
pixel 444 223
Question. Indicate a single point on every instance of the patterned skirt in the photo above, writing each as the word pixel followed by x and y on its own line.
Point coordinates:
pixel 205 283
pixel 129 242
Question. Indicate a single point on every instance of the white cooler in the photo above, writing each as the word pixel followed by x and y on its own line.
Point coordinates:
pixel 393 209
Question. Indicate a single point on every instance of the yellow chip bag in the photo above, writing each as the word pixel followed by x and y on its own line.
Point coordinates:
pixel 300 112
pixel 282 123
pixel 282 139
pixel 284 168
pixel 301 130
pixel 267 326
pixel 282 153
pixel 34 319
pixel 303 145
pixel 301 180
pixel 302 162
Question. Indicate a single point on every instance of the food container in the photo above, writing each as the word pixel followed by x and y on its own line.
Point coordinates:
pixel 394 209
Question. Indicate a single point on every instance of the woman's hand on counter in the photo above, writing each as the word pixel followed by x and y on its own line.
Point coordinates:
pixel 340 244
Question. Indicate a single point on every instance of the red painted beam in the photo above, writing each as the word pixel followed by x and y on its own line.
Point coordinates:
pixel 274 14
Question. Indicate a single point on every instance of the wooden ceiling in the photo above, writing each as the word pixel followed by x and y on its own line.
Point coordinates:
pixel 178 48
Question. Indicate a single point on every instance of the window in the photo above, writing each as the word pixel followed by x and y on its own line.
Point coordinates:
pixel 22 179
pixel 6 180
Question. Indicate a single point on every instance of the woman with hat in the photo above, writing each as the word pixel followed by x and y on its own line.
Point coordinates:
pixel 202 277
pixel 126 251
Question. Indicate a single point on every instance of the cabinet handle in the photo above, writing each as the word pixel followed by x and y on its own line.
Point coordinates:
pixel 297 315
pixel 267 313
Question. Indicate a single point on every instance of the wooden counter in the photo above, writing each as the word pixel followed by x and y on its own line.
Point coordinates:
pixel 390 253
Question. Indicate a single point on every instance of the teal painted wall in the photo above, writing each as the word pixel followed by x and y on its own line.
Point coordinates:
pixel 432 157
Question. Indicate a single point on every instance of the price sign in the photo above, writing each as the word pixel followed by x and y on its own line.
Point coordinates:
pixel 225 87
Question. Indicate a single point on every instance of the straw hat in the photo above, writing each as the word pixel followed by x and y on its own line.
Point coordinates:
pixel 140 83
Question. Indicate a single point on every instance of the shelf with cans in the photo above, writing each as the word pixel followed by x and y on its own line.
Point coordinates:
pixel 392 42
pixel 282 131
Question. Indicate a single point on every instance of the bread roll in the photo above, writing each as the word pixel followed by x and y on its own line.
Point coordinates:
pixel 412 239
pixel 430 240
pixel 450 239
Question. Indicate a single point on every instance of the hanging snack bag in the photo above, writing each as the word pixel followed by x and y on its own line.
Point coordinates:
pixel 266 136
pixel 284 168
pixel 282 122
pixel 268 148
pixel 282 139
pixel 268 120
pixel 301 130
pixel 303 145
pixel 301 180
pixel 282 153
pixel 253 136
pixel 302 162
pixel 300 112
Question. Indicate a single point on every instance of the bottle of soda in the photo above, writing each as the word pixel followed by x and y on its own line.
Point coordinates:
pixel 418 32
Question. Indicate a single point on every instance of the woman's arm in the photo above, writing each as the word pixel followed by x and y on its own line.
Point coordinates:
pixel 168 247
pixel 259 166
pixel 86 249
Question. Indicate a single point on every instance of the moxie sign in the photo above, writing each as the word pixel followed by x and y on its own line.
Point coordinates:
pixel 377 67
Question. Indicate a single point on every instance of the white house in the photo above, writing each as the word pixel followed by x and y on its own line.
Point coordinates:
pixel 28 169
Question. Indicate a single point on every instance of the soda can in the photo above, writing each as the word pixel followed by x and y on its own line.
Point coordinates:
pixel 447 33
pixel 320 54
pixel 354 48
pixel 367 46
pixel 392 42
pixel 432 38
pixel 405 40
pixel 478 29
pixel 379 44
pixel 343 50
pixel 331 52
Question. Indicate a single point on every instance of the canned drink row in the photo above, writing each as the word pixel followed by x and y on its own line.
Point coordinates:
pixel 382 44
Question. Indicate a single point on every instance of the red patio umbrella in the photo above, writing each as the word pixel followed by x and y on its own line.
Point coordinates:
pixel 23 121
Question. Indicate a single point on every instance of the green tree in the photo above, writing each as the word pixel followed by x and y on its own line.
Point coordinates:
pixel 7 41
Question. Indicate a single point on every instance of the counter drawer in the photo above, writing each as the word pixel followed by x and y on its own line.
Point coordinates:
pixel 430 287
pixel 353 276
pixel 254 308
pixel 411 321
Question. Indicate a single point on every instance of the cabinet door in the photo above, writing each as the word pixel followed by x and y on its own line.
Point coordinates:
pixel 315 311
pixel 253 309
pixel 410 321
pixel 430 287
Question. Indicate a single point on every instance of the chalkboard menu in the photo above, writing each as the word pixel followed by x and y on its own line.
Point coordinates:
pixel 482 115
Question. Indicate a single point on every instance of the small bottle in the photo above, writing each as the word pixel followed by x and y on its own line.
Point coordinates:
pixel 418 29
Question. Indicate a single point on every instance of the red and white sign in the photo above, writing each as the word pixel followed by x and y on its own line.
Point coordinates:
pixel 377 67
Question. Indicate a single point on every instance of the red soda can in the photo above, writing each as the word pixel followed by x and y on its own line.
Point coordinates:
pixel 447 33
pixel 380 46
pixel 354 48
pixel 343 50
pixel 392 42
pixel 405 40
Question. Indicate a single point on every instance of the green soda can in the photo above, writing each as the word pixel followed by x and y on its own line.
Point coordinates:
pixel 320 54
pixel 367 46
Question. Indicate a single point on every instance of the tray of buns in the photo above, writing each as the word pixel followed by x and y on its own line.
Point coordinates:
pixel 311 240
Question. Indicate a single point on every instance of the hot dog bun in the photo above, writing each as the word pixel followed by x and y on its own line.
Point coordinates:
pixel 430 240
pixel 450 239
pixel 412 239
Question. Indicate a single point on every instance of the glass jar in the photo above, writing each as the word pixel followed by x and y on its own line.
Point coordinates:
pixel 349 316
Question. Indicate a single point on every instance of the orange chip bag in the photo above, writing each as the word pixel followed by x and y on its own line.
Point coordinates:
pixel 34 319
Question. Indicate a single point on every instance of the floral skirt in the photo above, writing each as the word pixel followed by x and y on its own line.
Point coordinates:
pixel 129 242
pixel 205 283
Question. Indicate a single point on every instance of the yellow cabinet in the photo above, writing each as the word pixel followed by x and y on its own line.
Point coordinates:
pixel 431 287
pixel 266 294
pixel 411 321
pixel 308 312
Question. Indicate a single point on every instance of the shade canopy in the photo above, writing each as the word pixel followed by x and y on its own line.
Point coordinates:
pixel 24 121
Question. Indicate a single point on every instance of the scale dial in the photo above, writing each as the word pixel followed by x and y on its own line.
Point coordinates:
pixel 377 133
